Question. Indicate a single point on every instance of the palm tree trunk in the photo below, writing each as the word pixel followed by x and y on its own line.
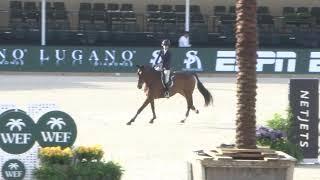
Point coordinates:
pixel 246 47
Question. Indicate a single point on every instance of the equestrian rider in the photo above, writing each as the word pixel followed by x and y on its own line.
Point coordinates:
pixel 164 63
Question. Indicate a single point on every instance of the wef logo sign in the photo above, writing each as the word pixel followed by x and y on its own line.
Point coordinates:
pixel 56 128
pixel 13 169
pixel 18 132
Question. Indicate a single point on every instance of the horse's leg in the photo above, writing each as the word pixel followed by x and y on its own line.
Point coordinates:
pixel 185 94
pixel 190 105
pixel 153 112
pixel 187 114
pixel 146 102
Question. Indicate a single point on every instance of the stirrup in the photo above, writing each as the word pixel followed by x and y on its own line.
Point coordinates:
pixel 166 94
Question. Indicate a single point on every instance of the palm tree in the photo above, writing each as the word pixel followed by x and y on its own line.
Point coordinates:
pixel 56 122
pixel 246 47
pixel 16 123
pixel 13 166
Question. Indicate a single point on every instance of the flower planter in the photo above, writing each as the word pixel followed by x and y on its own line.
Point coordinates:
pixel 83 164
pixel 214 165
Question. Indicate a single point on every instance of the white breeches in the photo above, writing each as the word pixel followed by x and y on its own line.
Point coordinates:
pixel 166 75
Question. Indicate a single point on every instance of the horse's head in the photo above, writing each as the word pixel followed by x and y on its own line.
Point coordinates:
pixel 141 75
pixel 146 75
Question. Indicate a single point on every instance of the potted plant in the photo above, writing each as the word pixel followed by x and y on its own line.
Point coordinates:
pixel 91 153
pixel 55 163
pixel 277 134
pixel 87 164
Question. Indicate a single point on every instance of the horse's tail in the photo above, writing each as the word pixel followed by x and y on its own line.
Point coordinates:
pixel 205 93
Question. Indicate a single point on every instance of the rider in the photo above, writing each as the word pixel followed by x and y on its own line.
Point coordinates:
pixel 165 62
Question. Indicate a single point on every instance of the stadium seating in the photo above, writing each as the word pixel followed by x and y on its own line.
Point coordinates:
pixel 31 11
pixel 16 11
pixel 117 22
pixel 85 13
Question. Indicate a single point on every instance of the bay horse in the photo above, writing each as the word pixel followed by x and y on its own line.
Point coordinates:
pixel 183 83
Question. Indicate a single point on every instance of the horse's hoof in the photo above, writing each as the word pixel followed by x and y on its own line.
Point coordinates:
pixel 151 122
pixel 197 111
pixel 182 121
pixel 129 123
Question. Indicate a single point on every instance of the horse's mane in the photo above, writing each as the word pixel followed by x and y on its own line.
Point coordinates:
pixel 150 73
pixel 148 67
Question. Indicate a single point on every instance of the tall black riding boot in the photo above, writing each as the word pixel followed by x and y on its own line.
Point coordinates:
pixel 166 91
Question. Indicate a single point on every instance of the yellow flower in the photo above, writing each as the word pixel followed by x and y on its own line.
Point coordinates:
pixel 51 152
pixel 89 153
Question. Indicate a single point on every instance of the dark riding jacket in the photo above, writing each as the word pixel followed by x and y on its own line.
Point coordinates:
pixel 166 59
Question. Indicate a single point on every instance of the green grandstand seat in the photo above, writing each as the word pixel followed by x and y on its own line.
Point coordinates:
pixel 197 18
pixel 265 19
pixel 99 14
pixel 85 17
pixel 227 31
pixel 85 13
pixel 15 5
pixel 115 16
pixel 232 10
pixel 31 11
pixel 168 17
pixel 227 18
pixel 59 6
pixel 60 15
pixel 219 10
pixel 195 9
pixel 112 7
pixel 16 15
pixel 117 26
pixel 180 18
pixel 100 26
pixel 166 8
pixel 180 8
pixel 59 11
pixel 263 16
pixel 130 27
pixel 290 16
pixel 288 11
pixel 85 7
pixel 315 11
pixel 16 11
pixel 168 28
pixel 152 8
pixel 128 16
pixel 303 10
pixel 303 13
pixel 126 8
pixel 263 10
pixel 154 17
pixel 266 34
pixel 199 34
pixel 99 7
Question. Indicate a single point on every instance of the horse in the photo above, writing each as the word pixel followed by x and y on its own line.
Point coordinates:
pixel 182 83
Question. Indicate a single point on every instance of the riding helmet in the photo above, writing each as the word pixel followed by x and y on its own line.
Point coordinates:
pixel 165 42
